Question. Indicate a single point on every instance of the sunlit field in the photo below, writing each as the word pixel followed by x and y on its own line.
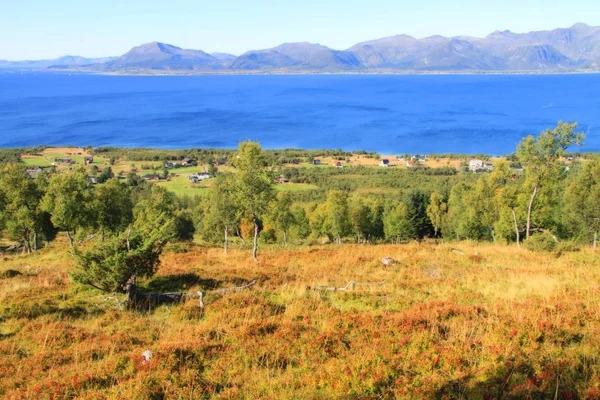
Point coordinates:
pixel 443 321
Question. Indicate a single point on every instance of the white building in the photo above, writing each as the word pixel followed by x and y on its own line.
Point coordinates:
pixel 475 164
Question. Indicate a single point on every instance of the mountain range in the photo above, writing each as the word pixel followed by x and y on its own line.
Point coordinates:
pixel 66 61
pixel 561 50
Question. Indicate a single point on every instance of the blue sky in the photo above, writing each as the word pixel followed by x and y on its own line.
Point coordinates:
pixel 35 29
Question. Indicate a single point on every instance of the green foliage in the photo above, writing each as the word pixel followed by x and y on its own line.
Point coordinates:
pixel 582 203
pixel 281 214
pixel 113 206
pixel 134 253
pixel 21 215
pixel 301 222
pixel 417 203
pixel 396 223
pixel 253 185
pixel 220 213
pixel 436 211
pixel 336 223
pixel 541 157
pixel 543 241
pixel 69 200
pixel 105 175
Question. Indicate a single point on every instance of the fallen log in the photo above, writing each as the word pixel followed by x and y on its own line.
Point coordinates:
pixel 349 286
pixel 235 288
pixel 11 248
pixel 149 301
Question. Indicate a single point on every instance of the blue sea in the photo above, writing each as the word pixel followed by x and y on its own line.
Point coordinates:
pixel 384 113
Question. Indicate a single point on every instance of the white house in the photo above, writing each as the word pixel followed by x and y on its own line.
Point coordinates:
pixel 475 164
pixel 385 163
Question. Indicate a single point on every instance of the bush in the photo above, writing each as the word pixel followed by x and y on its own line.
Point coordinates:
pixel 544 241
pixel 178 248
pixel 268 235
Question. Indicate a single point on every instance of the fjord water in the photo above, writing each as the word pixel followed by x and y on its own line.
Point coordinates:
pixel 384 113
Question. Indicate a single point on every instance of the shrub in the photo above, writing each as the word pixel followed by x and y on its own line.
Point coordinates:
pixel 544 241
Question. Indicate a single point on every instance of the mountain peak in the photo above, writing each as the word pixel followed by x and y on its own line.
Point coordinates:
pixel 580 25
pixel 155 47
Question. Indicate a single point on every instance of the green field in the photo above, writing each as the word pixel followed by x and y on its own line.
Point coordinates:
pixel 180 185
pixel 295 187
pixel 36 162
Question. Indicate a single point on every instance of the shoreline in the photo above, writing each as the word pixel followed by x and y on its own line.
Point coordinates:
pixel 145 72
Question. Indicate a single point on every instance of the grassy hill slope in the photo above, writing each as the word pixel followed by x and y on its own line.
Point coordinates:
pixel 485 321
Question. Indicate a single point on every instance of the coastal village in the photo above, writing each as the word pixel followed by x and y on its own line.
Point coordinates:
pixel 187 174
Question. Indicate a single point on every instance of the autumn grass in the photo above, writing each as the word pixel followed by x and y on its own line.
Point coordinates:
pixel 492 321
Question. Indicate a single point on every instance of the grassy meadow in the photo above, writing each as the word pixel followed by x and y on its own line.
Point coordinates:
pixel 445 321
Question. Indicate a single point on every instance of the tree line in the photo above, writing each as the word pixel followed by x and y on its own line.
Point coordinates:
pixel 129 221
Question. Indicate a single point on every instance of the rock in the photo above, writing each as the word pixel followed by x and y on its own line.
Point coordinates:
pixel 388 261
pixel 10 273
pixel 147 356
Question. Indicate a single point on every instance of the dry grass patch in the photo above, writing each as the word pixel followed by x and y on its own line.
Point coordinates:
pixel 494 321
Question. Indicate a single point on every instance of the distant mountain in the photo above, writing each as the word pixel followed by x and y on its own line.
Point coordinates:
pixel 66 61
pixel 224 57
pixel 560 50
pixel 572 48
pixel 297 56
pixel 161 56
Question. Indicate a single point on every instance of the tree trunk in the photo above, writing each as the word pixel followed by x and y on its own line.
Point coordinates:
pixel 595 240
pixel 35 241
pixel 535 190
pixel 516 227
pixel 70 239
pixel 285 238
pixel 226 240
pixel 255 246
pixel 27 244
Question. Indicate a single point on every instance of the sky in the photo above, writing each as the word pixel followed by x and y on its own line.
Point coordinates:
pixel 46 29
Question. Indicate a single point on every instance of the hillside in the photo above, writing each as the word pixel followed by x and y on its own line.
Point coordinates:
pixel 163 57
pixel 297 56
pixel 495 321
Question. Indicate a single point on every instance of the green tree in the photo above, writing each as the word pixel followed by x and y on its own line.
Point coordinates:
pixel 541 156
pixel 213 170
pixel 337 221
pixel 582 203
pixel 360 217
pixel 281 214
pixel 253 186
pixel 22 215
pixel 113 207
pixel 436 211
pixel 134 253
pixel 155 202
pixel 417 202
pixel 458 222
pixel 220 212
pixel 69 200
pixel 396 223
pixel 302 223
pixel 105 175
pixel 511 213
